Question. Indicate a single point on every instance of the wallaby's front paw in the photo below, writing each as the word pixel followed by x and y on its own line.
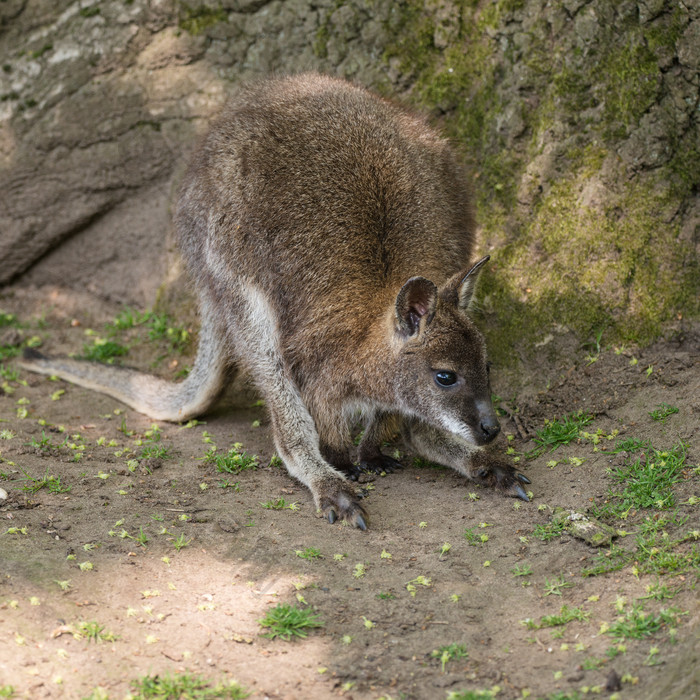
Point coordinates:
pixel 495 472
pixel 341 501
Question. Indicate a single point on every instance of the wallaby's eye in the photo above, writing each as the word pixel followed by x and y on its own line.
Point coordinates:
pixel 445 378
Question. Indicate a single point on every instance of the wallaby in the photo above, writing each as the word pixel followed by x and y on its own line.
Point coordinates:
pixel 328 233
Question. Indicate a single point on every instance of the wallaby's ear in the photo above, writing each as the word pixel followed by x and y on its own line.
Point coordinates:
pixel 459 289
pixel 416 299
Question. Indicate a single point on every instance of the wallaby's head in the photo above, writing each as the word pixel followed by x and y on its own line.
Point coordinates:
pixel 443 373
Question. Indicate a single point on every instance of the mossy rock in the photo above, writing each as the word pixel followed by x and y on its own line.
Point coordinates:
pixel 584 167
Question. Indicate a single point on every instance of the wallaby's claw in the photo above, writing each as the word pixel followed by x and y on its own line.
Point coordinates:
pixel 519 491
pixel 341 501
pixel 493 471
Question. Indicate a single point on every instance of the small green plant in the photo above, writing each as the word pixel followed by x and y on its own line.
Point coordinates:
pixel 662 412
pixel 449 652
pixel 559 432
pixel 49 481
pixel 226 484
pixel 657 550
pixel 93 632
pixel 9 374
pixel 524 570
pixel 155 452
pixel 386 596
pixel 412 585
pixel 160 327
pixel 43 443
pixel 184 687
pixel 8 320
pixel 475 695
pixel 181 542
pixel 234 461
pixel 309 553
pixel 637 624
pixel 549 531
pixel 659 591
pixel 630 444
pixel 103 350
pixel 141 538
pixel 554 587
pixel 7 691
pixel 360 570
pixel 566 615
pixel 473 539
pixel 592 664
pixel 279 504
pixel 286 621
pixel 446 547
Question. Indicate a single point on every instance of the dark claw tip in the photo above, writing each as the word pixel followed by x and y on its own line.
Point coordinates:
pixel 331 516
pixel 520 493
pixel 523 478
pixel 360 522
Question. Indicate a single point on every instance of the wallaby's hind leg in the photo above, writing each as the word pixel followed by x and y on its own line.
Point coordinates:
pixel 379 430
pixel 476 463
pixel 340 458
pixel 296 437
pixel 153 396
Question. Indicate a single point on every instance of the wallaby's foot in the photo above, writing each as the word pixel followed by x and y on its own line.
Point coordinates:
pixel 339 500
pixel 375 465
pixel 380 463
pixel 493 471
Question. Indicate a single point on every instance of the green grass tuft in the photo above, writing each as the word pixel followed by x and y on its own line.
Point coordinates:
pixel 184 687
pixel 662 412
pixel 286 621
pixel 647 481
pixel 559 432
pixel 234 461
pixel 637 624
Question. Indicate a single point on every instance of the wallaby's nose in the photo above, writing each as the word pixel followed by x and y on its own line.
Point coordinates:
pixel 489 428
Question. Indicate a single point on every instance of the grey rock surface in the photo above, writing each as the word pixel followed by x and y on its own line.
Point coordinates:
pixel 101 102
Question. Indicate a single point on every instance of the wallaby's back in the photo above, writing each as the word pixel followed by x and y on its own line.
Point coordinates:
pixel 324 193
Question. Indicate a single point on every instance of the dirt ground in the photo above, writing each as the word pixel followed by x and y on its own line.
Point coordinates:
pixel 177 563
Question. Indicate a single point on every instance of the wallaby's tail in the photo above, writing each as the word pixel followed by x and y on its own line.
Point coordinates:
pixel 155 397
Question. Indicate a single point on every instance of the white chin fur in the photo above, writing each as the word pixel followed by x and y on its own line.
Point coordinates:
pixel 458 429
